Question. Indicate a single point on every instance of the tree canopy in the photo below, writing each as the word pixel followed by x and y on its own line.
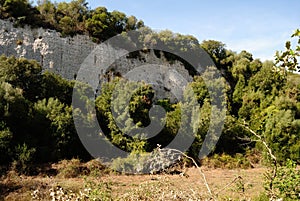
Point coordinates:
pixel 36 117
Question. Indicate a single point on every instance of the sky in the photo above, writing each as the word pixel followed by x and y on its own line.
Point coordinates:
pixel 258 26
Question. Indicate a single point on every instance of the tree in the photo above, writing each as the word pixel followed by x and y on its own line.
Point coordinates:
pixel 133 23
pixel 5 144
pixel 239 91
pixel 71 16
pixel 282 134
pixel 48 13
pixel 58 135
pixel 16 8
pixel 118 22
pixel 215 49
pixel 98 23
pixel 241 67
pixel 120 122
pixel 288 59
pixel 13 107
pixel 22 73
pixel 55 86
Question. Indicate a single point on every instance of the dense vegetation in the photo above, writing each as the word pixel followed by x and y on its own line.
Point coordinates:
pixel 69 18
pixel 36 119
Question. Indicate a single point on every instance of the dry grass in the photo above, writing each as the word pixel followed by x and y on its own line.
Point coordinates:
pixel 246 186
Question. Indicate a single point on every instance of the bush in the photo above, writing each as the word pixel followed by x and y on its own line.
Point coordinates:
pixel 5 143
pixel 262 197
pixel 23 160
pixel 158 161
pixel 95 168
pixel 69 168
pixel 98 191
pixel 287 181
pixel 134 163
pixel 227 161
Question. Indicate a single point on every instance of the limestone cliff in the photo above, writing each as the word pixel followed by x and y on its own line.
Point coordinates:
pixel 64 55
pixel 57 54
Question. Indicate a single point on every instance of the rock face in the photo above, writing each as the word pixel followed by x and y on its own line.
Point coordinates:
pixel 66 55
pixel 54 53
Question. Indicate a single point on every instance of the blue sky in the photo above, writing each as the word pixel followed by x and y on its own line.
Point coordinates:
pixel 258 26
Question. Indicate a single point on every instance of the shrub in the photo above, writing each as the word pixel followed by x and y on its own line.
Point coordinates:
pixel 24 157
pixel 262 197
pixel 69 168
pixel 5 143
pixel 160 160
pixel 98 191
pixel 134 163
pixel 287 181
pixel 227 161
pixel 95 168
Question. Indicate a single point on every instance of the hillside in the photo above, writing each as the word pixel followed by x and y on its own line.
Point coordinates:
pixel 79 83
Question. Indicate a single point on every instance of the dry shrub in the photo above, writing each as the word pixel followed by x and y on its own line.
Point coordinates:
pixel 95 168
pixel 69 168
pixel 227 161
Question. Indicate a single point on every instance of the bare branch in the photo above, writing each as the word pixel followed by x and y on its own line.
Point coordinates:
pixel 200 171
pixel 229 184
pixel 270 154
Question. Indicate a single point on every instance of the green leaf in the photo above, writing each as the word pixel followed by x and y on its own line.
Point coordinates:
pixel 288 45
pixel 296 33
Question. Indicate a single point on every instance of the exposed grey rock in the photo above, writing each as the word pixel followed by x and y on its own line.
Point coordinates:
pixel 66 55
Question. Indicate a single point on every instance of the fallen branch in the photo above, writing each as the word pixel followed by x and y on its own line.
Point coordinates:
pixel 229 184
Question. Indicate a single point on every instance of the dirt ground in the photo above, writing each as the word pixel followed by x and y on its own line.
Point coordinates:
pixel 241 183
pixel 235 184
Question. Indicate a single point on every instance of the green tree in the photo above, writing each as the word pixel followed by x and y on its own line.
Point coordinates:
pixel 118 22
pixel 288 59
pixel 239 90
pixel 133 23
pixel 71 16
pixel 21 11
pixel 215 49
pixel 48 13
pixel 282 134
pixel 55 86
pixel 14 107
pixel 98 23
pixel 22 73
pixel 130 117
pixel 5 144
pixel 15 8
pixel 58 135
